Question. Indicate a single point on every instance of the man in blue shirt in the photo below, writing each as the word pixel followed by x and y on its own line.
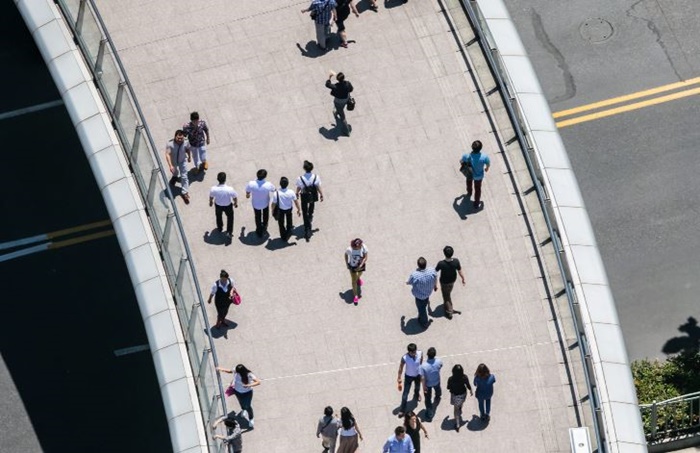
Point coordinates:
pixel 430 375
pixel 423 282
pixel 399 442
pixel 479 164
pixel 323 14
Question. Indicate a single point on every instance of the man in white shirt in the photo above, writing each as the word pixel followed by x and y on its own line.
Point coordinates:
pixel 260 190
pixel 412 361
pixel 225 199
pixel 283 200
pixel 309 191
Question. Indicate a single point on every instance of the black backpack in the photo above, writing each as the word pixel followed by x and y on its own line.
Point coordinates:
pixel 309 193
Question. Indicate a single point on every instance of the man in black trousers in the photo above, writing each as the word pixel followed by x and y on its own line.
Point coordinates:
pixel 225 199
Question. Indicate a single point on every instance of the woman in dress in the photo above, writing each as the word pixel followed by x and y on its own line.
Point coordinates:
pixel 349 432
pixel 356 259
pixel 222 291
pixel 483 381
pixel 413 427
pixel 458 384
pixel 243 382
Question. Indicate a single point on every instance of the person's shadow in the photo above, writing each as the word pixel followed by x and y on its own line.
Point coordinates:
pixel 251 238
pixel 688 344
pixel 477 424
pixel 330 134
pixel 278 244
pixel 346 296
pixel 388 4
pixel 218 332
pixel 462 206
pixel 311 50
pixel 413 327
pixel 216 237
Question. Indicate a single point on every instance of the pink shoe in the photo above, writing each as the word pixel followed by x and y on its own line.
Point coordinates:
pixel 355 300
pixel 360 282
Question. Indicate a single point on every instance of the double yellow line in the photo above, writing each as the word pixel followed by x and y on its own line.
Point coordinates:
pixel 628 107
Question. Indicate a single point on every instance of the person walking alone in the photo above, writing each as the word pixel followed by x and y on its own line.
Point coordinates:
pixel 458 384
pixel 224 198
pixel 479 164
pixel 483 382
pixel 222 291
pixel 356 260
pixel 177 155
pixel 449 268
pixel 399 442
pixel 323 14
pixel 430 376
pixel 283 200
pixel 197 133
pixel 423 282
pixel 412 361
pixel 260 190
pixel 243 382
pixel 309 190
pixel 341 94
pixel 342 13
pixel 233 436
pixel 349 432
pixel 327 430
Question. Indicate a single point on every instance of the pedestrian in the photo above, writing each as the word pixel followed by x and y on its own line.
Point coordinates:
pixel 413 427
pixel 458 384
pixel 479 164
pixel 341 94
pixel 483 382
pixel 197 133
pixel 323 14
pixel 349 432
pixel 327 430
pixel 412 361
pixel 177 155
pixel 423 282
pixel 233 436
pixel 283 200
pixel 449 268
pixel 309 190
pixel 222 291
pixel 225 199
pixel 260 189
pixel 343 9
pixel 399 442
pixel 430 376
pixel 356 260
pixel 243 382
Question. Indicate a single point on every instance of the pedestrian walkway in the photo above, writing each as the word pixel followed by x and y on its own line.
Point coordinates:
pixel 249 69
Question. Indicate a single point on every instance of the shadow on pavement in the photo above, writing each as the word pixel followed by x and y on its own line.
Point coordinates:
pixel 252 238
pixel 311 50
pixel 413 327
pixel 330 134
pixel 476 424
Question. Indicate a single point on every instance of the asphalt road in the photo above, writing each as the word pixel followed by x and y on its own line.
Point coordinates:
pixel 67 310
pixel 637 170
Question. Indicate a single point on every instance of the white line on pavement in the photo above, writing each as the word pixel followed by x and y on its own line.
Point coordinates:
pixel 32 109
pixel 376 365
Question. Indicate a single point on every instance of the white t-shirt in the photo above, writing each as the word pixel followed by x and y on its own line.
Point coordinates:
pixel 224 286
pixel 309 180
pixel 355 256
pixel 286 198
pixel 412 365
pixel 238 383
pixel 222 194
pixel 260 193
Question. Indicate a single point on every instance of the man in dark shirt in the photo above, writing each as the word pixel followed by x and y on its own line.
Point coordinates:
pixel 341 95
pixel 449 268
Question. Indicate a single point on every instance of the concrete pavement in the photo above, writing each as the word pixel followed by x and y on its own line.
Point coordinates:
pixel 394 183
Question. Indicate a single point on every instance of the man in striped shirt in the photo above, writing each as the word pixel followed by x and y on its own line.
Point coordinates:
pixel 423 282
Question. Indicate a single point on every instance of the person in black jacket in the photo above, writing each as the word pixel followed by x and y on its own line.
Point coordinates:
pixel 341 93
pixel 458 384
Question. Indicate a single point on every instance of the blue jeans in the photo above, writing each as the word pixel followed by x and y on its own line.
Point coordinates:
pixel 484 406
pixel 422 306
pixel 407 381
pixel 246 401
pixel 429 399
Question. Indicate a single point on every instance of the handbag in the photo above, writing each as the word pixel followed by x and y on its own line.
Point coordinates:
pixel 351 103
pixel 236 299
pixel 466 169
pixel 230 390
pixel 276 210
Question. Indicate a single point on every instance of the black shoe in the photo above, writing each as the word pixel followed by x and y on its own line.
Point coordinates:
pixel 448 315
pixel 173 180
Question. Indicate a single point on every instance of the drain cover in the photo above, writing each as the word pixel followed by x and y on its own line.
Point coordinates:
pixel 596 30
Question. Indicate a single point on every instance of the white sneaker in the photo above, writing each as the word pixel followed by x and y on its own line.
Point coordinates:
pixel 244 414
pixel 251 423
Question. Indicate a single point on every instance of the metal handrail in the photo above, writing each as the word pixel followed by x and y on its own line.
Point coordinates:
pixel 543 200
pixel 145 192
pixel 673 418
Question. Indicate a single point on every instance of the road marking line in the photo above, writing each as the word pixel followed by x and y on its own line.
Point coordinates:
pixel 627 97
pixel 53 235
pixel 376 365
pixel 131 350
pixel 23 252
pixel 627 108
pixel 54 245
pixel 32 109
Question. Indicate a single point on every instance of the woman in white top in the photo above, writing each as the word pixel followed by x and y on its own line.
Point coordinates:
pixel 349 432
pixel 355 259
pixel 243 382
